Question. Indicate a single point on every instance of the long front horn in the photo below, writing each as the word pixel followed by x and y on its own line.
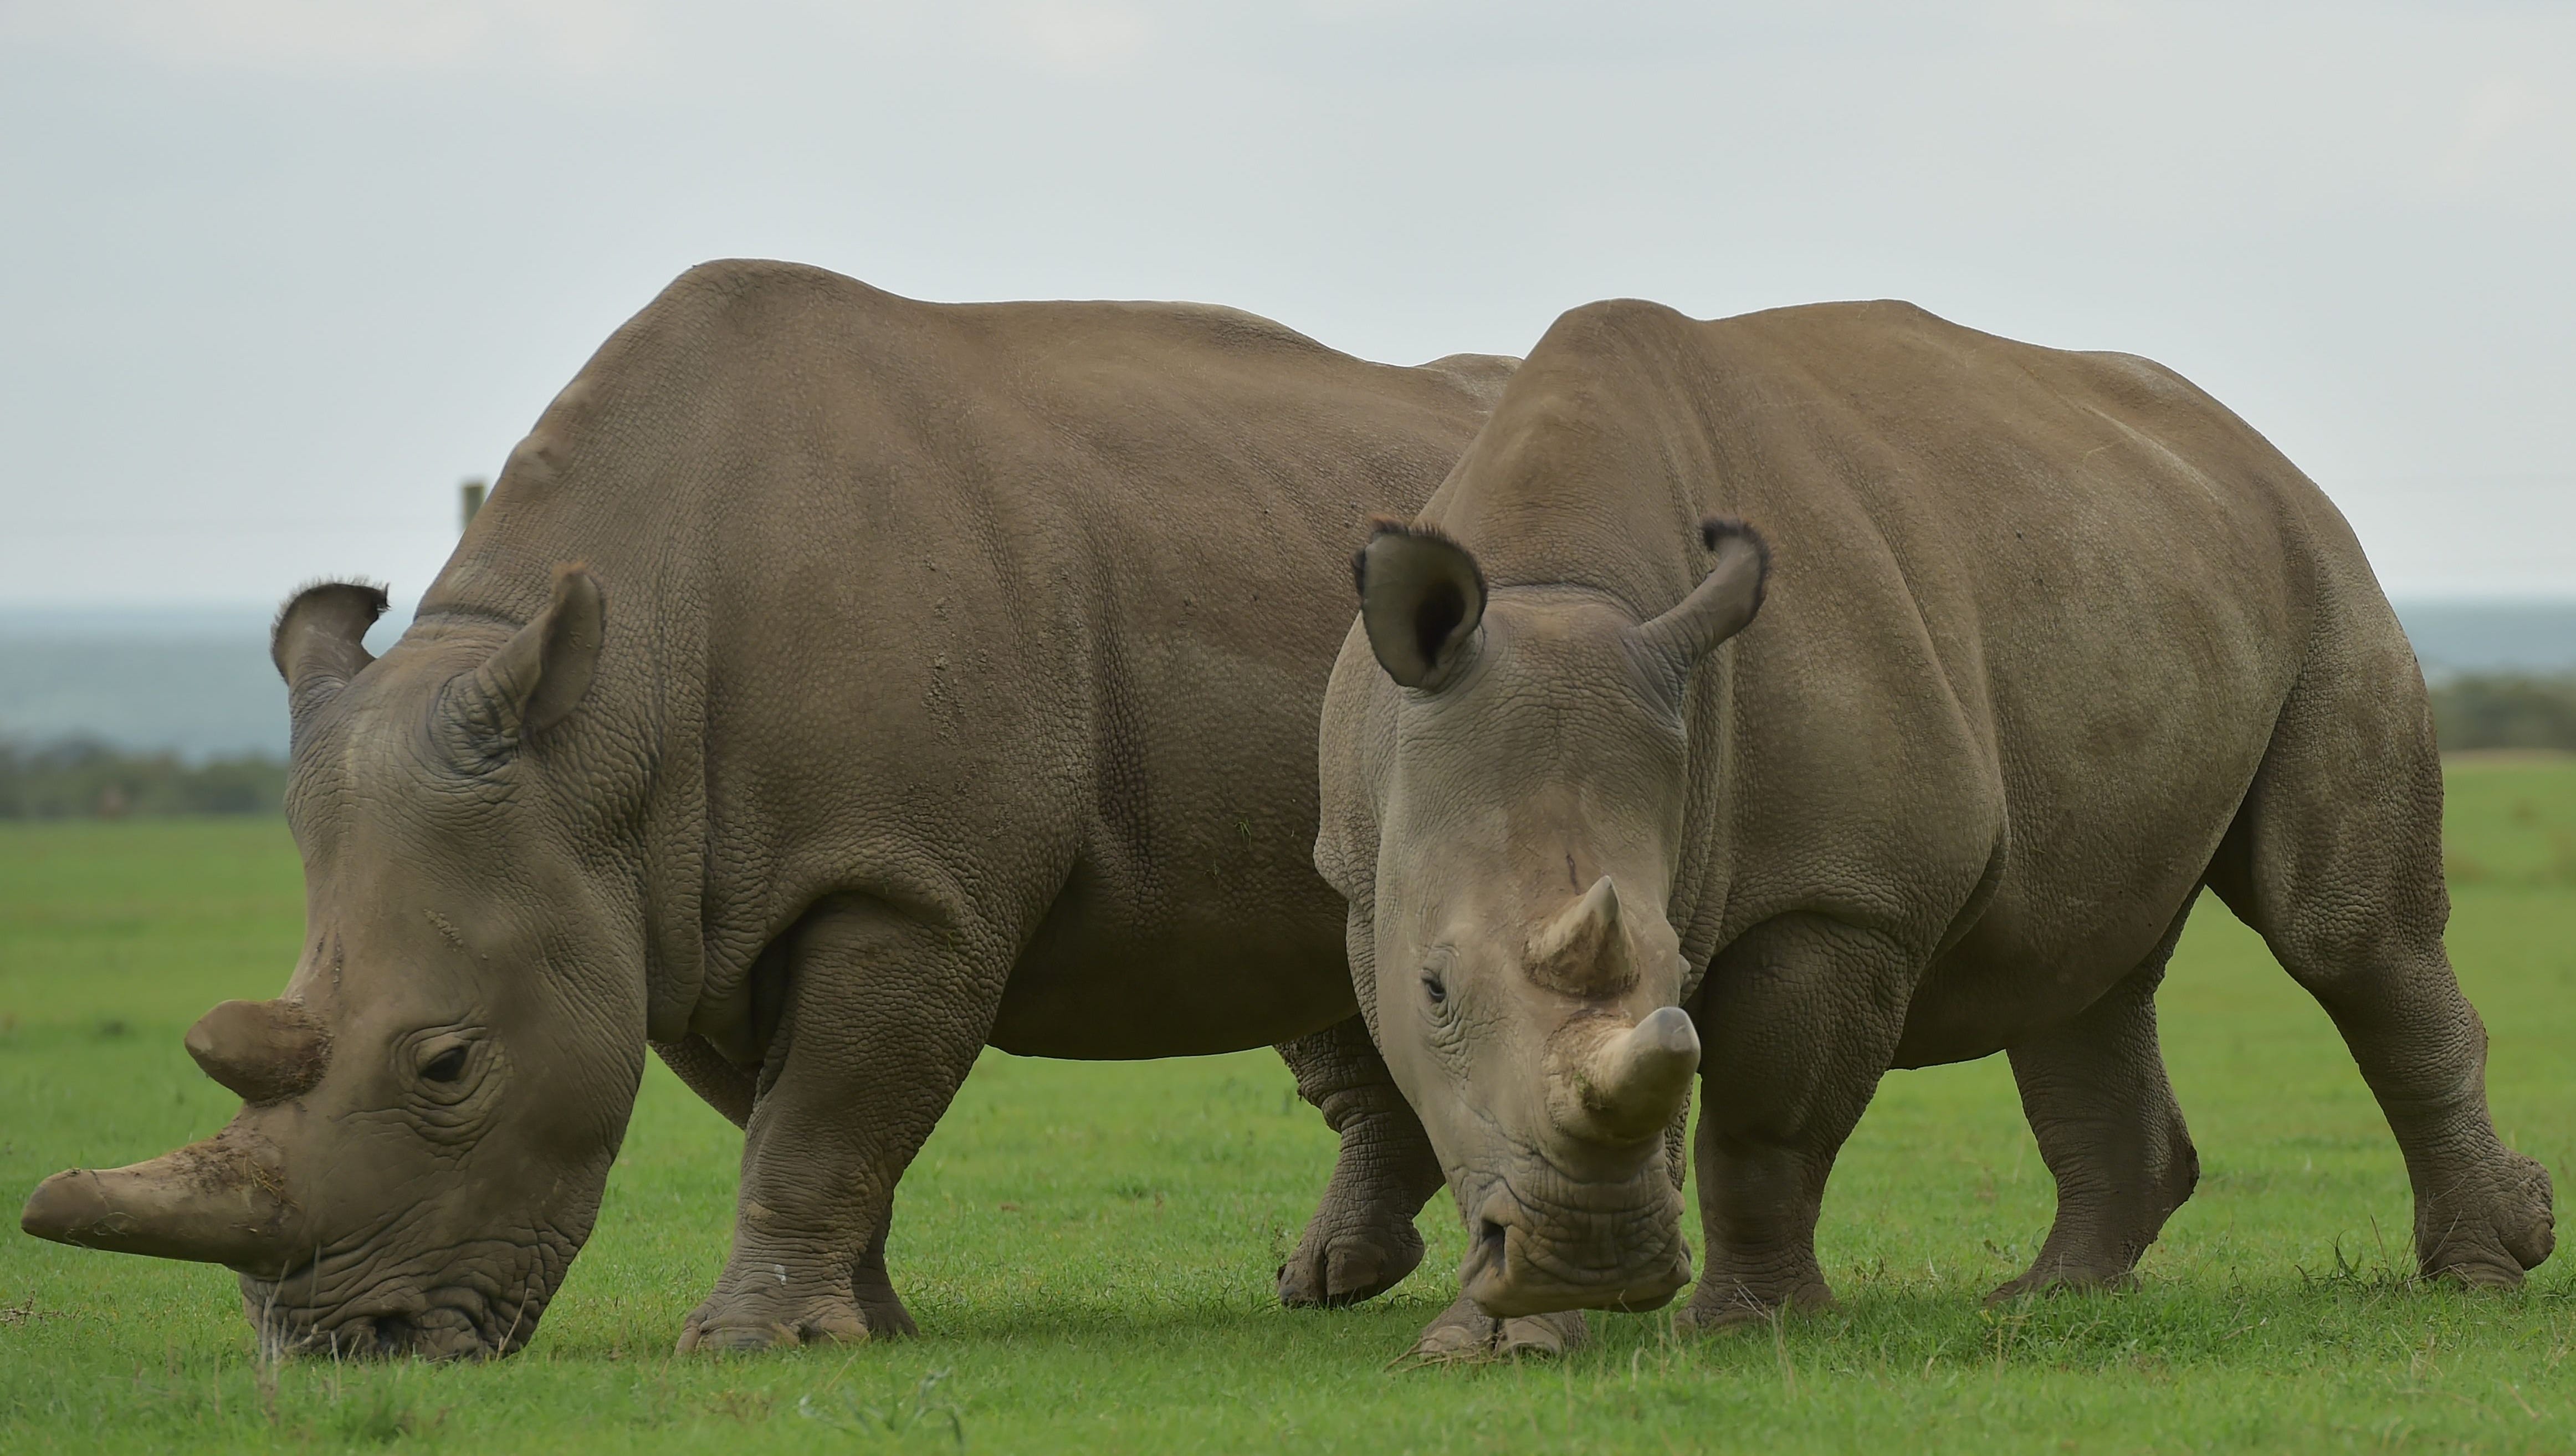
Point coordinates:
pixel 1615 1084
pixel 215 1201
pixel 261 1051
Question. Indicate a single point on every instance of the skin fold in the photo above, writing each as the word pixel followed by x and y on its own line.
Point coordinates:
pixel 835 685
pixel 2020 651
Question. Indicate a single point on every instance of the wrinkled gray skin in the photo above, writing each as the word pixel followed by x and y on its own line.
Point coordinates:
pixel 933 677
pixel 2052 641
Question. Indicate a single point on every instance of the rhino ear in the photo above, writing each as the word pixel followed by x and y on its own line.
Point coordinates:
pixel 1722 604
pixel 539 675
pixel 319 640
pixel 1421 598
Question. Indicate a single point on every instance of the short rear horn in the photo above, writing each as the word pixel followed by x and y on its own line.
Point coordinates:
pixel 262 1051
pixel 1584 951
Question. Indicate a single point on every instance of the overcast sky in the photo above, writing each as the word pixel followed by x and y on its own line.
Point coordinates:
pixel 276 274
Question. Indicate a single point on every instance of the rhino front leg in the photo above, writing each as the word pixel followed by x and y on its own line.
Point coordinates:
pixel 1361 1241
pixel 884 1018
pixel 1798 1020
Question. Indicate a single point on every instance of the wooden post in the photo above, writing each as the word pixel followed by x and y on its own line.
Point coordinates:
pixel 473 492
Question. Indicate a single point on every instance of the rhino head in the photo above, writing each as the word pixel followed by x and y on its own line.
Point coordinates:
pixel 1529 812
pixel 430 1109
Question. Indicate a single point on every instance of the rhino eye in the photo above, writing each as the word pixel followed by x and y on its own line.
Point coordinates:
pixel 1436 989
pixel 447 1066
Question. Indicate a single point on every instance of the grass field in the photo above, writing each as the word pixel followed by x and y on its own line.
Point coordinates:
pixel 1089 1247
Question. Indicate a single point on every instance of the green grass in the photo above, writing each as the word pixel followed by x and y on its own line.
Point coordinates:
pixel 1089 1247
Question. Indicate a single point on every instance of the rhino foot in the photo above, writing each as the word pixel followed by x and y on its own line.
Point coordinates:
pixel 2490 1238
pixel 1738 1307
pixel 2064 1279
pixel 783 1320
pixel 1466 1335
pixel 1348 1255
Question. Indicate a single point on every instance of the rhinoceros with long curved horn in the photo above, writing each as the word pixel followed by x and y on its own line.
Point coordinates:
pixel 221 1200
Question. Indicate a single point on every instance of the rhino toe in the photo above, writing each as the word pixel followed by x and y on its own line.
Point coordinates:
pixel 1543 1336
pixel 2530 1228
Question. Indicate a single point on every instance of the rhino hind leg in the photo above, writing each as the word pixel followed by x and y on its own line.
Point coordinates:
pixel 2335 858
pixel 1775 1109
pixel 884 1020
pixel 2099 1102
pixel 1361 1241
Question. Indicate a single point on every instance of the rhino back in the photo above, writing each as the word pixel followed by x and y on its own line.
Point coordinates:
pixel 1013 614
pixel 2076 591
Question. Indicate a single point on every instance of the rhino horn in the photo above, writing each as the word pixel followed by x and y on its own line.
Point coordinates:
pixel 262 1051
pixel 1585 951
pixel 1623 1084
pixel 213 1201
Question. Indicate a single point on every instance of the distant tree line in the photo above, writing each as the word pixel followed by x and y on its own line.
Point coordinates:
pixel 81 778
pixel 2500 711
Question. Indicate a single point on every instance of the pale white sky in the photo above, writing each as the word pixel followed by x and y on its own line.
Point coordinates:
pixel 275 274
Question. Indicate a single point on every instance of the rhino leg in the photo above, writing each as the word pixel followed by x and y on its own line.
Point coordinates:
pixel 880 1308
pixel 1799 1018
pixel 1361 1241
pixel 884 1018
pixel 2110 1131
pixel 704 1070
pixel 2336 858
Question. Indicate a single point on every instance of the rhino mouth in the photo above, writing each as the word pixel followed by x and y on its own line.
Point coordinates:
pixel 443 1331
pixel 478 1304
pixel 1617 1247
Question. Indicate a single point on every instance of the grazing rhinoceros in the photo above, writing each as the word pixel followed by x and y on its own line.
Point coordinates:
pixel 934 677
pixel 2052 641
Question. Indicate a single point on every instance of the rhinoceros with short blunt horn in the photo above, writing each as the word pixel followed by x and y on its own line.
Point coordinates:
pixel 2052 642
pixel 834 685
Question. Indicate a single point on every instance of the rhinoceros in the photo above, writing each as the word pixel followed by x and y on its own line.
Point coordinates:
pixel 2052 641
pixel 835 685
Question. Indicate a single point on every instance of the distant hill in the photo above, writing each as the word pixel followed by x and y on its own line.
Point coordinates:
pixel 198 682
pixel 2537 638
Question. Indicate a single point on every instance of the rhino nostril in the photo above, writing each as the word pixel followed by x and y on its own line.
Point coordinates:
pixel 1490 1235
